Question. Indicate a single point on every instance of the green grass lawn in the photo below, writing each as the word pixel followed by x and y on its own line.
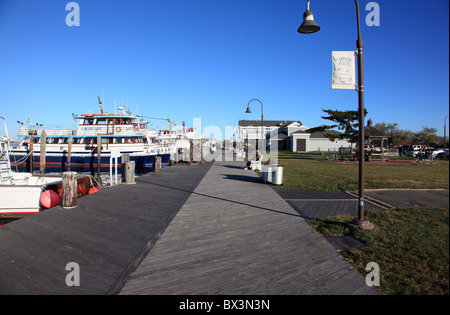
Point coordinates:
pixel 322 175
pixel 411 246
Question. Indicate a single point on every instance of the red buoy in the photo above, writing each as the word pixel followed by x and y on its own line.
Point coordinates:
pixel 93 190
pixel 49 199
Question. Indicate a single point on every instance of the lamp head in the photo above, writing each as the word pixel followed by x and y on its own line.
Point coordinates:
pixel 248 110
pixel 308 26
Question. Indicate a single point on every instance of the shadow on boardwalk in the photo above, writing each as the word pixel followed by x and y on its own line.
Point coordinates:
pixel 221 242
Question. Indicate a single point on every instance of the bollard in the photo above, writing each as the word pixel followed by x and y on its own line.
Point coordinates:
pixel 171 160
pixel 129 172
pixel 157 164
pixel 69 190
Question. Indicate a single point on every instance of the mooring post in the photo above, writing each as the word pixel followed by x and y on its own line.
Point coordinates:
pixel 69 190
pixel 69 153
pixel 43 143
pixel 99 158
pixel 157 164
pixel 31 153
pixel 129 172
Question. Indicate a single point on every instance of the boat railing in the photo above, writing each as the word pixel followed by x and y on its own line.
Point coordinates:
pixel 50 130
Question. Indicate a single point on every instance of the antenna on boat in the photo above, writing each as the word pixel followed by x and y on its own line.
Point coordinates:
pixel 100 104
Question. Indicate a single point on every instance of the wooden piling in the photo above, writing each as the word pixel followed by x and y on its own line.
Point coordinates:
pixel 157 164
pixel 99 157
pixel 69 153
pixel 129 172
pixel 31 153
pixel 42 152
pixel 69 190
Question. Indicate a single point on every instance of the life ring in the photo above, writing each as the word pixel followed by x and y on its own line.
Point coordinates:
pixel 118 129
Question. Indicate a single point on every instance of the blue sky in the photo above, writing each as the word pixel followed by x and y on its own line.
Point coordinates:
pixel 183 59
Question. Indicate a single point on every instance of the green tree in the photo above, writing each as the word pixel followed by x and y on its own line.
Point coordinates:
pixel 396 135
pixel 426 136
pixel 346 121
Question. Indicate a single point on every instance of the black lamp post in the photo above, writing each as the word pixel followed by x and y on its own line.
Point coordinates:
pixel 445 145
pixel 309 26
pixel 248 111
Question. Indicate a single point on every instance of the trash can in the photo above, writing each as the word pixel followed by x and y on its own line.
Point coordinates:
pixel 267 173
pixel 277 174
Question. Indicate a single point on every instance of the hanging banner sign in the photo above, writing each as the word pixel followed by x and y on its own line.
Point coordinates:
pixel 343 70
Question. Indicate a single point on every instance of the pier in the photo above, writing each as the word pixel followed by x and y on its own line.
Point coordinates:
pixel 198 229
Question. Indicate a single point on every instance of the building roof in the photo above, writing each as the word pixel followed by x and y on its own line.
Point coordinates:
pixel 371 132
pixel 267 123
pixel 319 135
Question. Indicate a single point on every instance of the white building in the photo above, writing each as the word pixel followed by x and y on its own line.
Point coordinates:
pixel 289 135
pixel 302 141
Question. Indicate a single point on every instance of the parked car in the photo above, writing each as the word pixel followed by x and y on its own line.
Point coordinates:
pixel 442 155
pixel 437 151
pixel 413 152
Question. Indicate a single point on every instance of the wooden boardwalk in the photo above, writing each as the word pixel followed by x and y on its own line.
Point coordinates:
pixel 108 234
pixel 212 229
pixel 236 235
pixel 318 204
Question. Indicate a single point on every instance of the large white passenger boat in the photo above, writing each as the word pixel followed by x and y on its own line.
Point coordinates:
pixel 76 147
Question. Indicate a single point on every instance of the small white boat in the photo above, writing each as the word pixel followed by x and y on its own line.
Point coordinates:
pixel 20 193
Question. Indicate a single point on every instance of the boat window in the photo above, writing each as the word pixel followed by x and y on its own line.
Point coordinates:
pixel 110 121
pixel 144 140
pixel 76 140
pixel 55 140
pixel 88 121
pixel 101 121
pixel 104 140
pixel 119 140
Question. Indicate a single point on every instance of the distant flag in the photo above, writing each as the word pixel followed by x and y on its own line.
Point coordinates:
pixel 29 120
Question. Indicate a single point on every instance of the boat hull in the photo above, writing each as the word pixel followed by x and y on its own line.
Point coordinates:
pixel 58 162
pixel 19 200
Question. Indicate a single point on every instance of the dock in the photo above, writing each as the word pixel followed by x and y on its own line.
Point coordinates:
pixel 237 236
pixel 108 234
pixel 211 229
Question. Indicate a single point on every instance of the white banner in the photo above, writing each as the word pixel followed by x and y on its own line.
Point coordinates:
pixel 343 70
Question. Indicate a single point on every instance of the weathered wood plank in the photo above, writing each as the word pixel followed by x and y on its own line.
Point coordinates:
pixel 107 234
pixel 235 235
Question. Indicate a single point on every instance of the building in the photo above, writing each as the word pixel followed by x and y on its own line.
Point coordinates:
pixel 289 135
pixel 250 132
pixel 303 141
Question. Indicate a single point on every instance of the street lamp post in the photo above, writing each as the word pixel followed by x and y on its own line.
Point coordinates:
pixel 310 26
pixel 262 121
pixel 445 146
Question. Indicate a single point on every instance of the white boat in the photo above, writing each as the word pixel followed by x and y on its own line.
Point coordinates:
pixel 20 193
pixel 76 147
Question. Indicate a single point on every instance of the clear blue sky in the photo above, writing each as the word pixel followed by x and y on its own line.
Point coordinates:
pixel 183 59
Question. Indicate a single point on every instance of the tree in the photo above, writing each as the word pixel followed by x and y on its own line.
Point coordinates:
pixel 427 136
pixel 346 121
pixel 397 136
